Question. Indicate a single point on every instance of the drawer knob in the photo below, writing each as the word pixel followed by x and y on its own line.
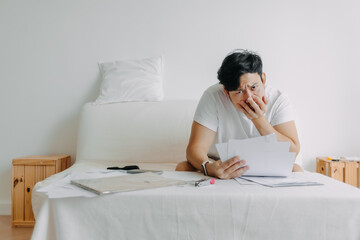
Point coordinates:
pixel 28 189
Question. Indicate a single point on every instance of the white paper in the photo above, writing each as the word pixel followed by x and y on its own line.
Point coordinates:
pixel 237 148
pixel 295 179
pixel 269 163
pixel 222 149
pixel 225 153
pixel 264 155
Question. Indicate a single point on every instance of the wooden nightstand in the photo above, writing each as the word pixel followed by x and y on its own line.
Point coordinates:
pixel 342 170
pixel 26 172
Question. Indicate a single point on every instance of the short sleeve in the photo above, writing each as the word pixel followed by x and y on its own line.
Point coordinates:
pixel 206 112
pixel 284 111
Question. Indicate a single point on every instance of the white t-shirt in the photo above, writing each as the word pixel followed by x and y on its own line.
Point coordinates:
pixel 216 112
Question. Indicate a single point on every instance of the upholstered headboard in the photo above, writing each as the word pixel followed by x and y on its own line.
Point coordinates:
pixel 146 132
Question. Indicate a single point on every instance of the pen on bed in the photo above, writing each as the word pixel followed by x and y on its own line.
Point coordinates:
pixel 204 182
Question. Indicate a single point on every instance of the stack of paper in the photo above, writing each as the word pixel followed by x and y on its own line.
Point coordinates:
pixel 295 179
pixel 264 155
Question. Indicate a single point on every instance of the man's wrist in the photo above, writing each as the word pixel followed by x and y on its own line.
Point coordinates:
pixel 210 169
pixel 263 126
pixel 203 167
pixel 261 123
pixel 259 120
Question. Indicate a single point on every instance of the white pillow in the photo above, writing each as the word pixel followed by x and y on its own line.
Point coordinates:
pixel 131 80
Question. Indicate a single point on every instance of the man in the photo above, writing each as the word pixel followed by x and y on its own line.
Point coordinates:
pixel 241 106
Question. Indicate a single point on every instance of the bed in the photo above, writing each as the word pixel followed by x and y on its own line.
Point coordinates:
pixel 154 135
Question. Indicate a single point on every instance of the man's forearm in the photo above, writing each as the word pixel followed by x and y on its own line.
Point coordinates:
pixel 196 157
pixel 265 128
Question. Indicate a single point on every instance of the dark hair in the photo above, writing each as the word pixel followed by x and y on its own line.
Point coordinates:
pixel 236 64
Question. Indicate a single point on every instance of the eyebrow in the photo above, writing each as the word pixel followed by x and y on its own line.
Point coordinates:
pixel 240 89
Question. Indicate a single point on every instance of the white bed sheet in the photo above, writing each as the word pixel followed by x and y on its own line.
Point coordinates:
pixel 226 210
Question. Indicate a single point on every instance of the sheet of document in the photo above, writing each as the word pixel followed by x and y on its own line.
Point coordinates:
pixel 295 179
pixel 225 152
pixel 264 155
pixel 222 149
pixel 269 163
pixel 236 148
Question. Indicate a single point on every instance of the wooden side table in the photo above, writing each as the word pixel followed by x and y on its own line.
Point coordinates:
pixel 26 172
pixel 342 170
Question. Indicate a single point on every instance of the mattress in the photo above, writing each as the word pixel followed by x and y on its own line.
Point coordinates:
pixel 225 210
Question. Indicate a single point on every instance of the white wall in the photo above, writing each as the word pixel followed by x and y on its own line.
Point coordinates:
pixel 49 52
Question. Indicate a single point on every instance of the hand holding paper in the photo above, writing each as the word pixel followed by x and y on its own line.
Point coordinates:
pixel 264 155
pixel 232 168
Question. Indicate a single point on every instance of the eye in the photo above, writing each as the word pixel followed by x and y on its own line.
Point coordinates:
pixel 253 87
pixel 239 92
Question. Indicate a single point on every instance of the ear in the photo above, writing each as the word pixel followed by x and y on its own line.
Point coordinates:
pixel 226 92
pixel 263 78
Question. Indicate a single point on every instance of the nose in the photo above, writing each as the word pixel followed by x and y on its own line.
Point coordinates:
pixel 247 93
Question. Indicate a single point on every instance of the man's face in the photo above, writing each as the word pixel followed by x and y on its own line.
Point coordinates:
pixel 250 85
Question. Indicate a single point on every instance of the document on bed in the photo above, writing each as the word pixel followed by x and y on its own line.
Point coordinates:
pixel 264 155
pixel 295 179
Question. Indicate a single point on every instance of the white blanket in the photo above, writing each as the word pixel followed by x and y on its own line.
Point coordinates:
pixel 226 210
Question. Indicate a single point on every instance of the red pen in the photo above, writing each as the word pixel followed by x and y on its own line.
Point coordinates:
pixel 204 182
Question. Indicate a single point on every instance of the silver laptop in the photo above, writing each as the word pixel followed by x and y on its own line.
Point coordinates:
pixel 126 183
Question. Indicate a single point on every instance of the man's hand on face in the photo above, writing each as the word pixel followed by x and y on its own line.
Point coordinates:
pixel 226 170
pixel 254 107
